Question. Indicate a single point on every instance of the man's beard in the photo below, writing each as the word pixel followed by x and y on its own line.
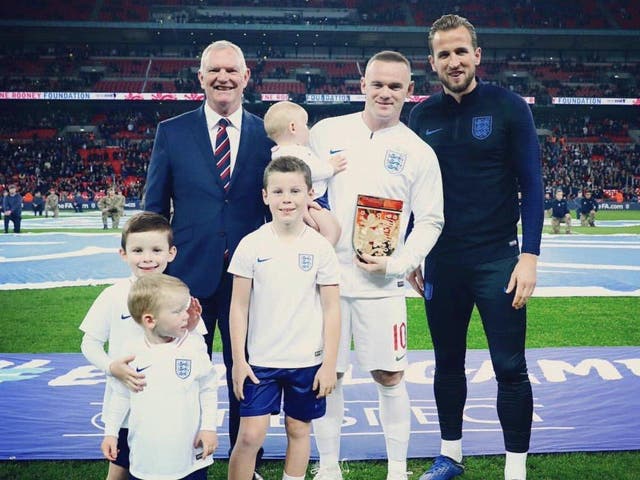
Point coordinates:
pixel 457 87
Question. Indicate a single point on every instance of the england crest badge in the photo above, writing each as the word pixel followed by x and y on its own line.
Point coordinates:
pixel 394 161
pixel 481 127
pixel 305 261
pixel 183 367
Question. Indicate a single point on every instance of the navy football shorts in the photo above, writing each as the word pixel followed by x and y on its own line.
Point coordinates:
pixel 294 384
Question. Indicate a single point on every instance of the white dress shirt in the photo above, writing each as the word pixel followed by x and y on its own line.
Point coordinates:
pixel 233 130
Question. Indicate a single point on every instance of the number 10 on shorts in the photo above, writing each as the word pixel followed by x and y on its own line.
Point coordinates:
pixel 400 337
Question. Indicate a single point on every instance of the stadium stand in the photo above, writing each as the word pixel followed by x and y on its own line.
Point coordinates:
pixel 297 48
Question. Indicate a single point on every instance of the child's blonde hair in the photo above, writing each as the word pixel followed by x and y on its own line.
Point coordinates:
pixel 147 292
pixel 278 118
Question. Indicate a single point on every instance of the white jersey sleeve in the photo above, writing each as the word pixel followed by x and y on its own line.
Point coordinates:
pixel 242 262
pixel 329 270
pixel 116 412
pixel 428 219
pixel 93 350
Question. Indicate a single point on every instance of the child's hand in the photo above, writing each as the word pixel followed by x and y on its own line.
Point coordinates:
pixel 239 373
pixel 208 440
pixel 109 448
pixel 133 380
pixel 338 162
pixel 325 381
pixel 306 216
pixel 195 312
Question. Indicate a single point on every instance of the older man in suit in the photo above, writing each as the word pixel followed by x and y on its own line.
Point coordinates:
pixel 207 166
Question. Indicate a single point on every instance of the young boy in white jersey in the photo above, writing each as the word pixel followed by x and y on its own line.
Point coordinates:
pixel 172 421
pixel 285 310
pixel 146 245
pixel 286 124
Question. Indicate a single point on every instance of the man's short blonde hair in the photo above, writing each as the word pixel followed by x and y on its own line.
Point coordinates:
pixel 147 293
pixel 278 117
pixel 390 56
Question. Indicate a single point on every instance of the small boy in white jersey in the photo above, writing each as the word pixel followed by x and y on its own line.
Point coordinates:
pixel 172 421
pixel 286 124
pixel 146 245
pixel 285 311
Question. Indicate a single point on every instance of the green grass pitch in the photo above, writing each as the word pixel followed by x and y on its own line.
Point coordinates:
pixel 41 321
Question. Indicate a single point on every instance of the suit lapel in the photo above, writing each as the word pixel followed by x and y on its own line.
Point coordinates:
pixel 244 149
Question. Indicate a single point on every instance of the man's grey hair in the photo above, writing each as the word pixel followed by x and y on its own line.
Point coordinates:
pixel 221 45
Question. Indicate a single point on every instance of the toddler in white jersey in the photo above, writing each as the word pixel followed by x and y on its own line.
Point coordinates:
pixel 286 124
pixel 285 311
pixel 172 421
pixel 146 246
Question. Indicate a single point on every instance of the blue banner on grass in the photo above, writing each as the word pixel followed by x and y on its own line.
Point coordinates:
pixel 585 399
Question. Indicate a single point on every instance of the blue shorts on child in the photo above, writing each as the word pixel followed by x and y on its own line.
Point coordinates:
pixel 294 384
pixel 122 459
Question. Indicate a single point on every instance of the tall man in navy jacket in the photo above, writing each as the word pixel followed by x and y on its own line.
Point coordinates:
pixel 488 151
pixel 183 184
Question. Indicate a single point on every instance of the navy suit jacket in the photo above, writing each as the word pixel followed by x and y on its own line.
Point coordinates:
pixel 205 219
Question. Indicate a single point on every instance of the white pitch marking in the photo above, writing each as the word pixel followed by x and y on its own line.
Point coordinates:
pixel 77 253
pixel 588 266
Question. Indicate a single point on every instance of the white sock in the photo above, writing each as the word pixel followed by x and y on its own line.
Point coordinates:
pixel 515 466
pixel 395 417
pixel 397 467
pixel 452 449
pixel 289 477
pixel 327 428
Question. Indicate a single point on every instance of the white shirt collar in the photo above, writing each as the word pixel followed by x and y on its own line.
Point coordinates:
pixel 213 117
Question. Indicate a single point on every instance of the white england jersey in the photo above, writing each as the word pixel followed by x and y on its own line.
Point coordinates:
pixel 285 327
pixel 321 171
pixel 179 400
pixel 391 163
pixel 109 320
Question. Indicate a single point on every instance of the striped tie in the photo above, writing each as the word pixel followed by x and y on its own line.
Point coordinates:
pixel 222 153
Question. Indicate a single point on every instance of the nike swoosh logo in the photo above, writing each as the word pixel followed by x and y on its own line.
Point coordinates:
pixel 260 260
pixel 138 369
pixel 398 358
pixel 331 151
pixel 428 132
pixel 124 317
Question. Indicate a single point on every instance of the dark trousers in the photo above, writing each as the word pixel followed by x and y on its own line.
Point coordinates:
pixel 16 219
pixel 215 311
pixel 452 291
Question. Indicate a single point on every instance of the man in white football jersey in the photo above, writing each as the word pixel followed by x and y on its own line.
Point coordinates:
pixel 386 160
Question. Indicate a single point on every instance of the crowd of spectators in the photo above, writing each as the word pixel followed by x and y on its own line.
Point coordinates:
pixel 578 152
pixel 115 154
pixel 70 69
pixel 579 155
pixel 604 169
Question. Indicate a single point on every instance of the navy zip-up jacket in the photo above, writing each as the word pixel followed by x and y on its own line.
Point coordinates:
pixel 488 149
